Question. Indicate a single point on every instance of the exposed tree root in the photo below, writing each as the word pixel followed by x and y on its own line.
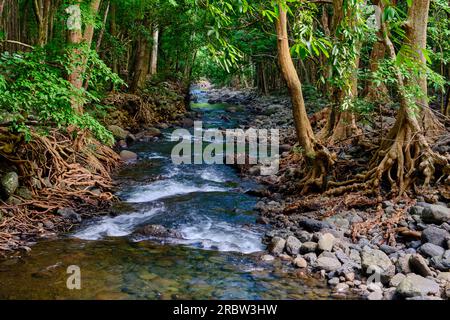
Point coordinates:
pixel 60 173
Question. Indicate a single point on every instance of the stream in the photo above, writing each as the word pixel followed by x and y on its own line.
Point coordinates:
pixel 217 257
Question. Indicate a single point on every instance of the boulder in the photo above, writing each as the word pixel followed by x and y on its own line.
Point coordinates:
pixel 414 285
pixel 118 132
pixel 402 264
pixel 419 265
pixel 397 279
pixel 300 262
pixel 313 224
pixel 293 245
pixel 435 213
pixel 435 235
pixel 9 184
pixel 440 263
pixel 431 250
pixel 276 245
pixel 372 260
pixel 308 247
pixel 157 231
pixel 126 156
pixel 327 264
pixel 326 242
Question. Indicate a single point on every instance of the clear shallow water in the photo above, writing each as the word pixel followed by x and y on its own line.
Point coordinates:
pixel 217 257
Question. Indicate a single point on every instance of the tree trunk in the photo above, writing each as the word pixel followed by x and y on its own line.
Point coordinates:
pixel 42 10
pixel 141 63
pixel 416 41
pixel 377 93
pixel 154 57
pixel 405 151
pixel 341 124
pixel 113 29
pixel 316 156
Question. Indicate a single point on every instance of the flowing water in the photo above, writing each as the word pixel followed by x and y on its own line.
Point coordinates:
pixel 217 257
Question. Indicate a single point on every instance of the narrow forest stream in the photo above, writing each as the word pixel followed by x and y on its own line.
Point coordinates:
pixel 218 257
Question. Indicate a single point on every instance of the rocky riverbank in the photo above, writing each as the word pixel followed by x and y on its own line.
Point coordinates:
pixel 378 249
pixel 55 183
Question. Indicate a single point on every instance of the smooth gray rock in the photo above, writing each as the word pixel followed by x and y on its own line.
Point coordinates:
pixel 326 242
pixel 300 262
pixel 327 264
pixel 436 214
pixel 303 236
pixel 277 245
pixel 414 285
pixel 435 235
pixel 293 245
pixel 371 258
pixel 397 279
pixel 126 155
pixel 308 247
pixel 313 224
pixel 431 250
pixel 419 265
pixel 440 263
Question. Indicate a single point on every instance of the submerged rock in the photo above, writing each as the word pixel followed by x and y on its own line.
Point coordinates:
pixel 157 231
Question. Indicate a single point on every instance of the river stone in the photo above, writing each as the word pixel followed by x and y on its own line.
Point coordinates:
pixel 313 224
pixel 444 276
pixel 435 235
pixel 118 132
pixel 267 258
pixel 276 245
pixel 371 258
pixel 310 257
pixel 157 231
pixel 69 213
pixel 24 193
pixel 126 155
pixel 300 262
pixel 397 279
pixel 431 250
pixel 9 184
pixel 419 265
pixel 414 285
pixel 402 264
pixel 341 287
pixel 293 245
pixel 440 263
pixel 303 236
pixel 326 242
pixel 327 264
pixel 375 295
pixel 308 247
pixel 436 214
